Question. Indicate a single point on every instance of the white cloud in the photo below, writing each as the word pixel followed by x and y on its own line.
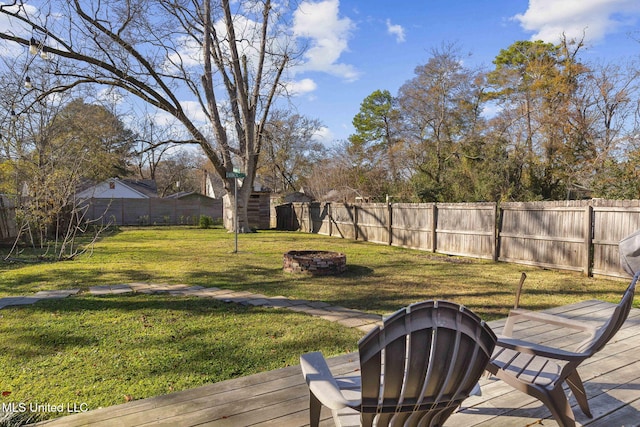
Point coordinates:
pixel 396 30
pixel 593 19
pixel 324 136
pixel 490 110
pixel 301 87
pixel 110 95
pixel 12 26
pixel 328 36
pixel 193 110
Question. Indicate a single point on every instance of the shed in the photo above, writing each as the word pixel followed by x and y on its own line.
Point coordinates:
pixel 258 211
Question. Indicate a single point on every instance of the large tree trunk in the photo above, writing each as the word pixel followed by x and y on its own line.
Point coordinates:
pixel 241 210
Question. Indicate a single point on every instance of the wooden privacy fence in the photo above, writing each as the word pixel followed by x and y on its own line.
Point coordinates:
pixel 574 235
pixel 152 211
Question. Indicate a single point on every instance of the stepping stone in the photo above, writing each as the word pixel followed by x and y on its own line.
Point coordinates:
pixel 100 290
pixel 110 290
pixel 258 302
pixel 139 287
pixel 348 312
pixel 319 304
pixel 309 310
pixel 121 289
pixel 186 291
pixel 193 288
pixel 62 293
pixel 355 322
pixel 295 302
pixel 334 317
pixel 205 292
pixel 279 302
pixel 237 300
pixel 9 301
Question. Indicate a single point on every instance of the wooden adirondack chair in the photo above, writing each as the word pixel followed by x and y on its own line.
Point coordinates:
pixel 416 368
pixel 540 371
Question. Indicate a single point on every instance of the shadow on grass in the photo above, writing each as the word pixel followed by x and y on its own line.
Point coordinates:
pixel 161 336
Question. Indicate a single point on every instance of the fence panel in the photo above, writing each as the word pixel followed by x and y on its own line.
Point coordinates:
pixel 298 221
pixel 104 211
pixel 303 217
pixel 136 212
pixel 319 217
pixel 344 220
pixel 466 229
pixel 151 211
pixel 412 225
pixel 8 225
pixel 188 211
pixel 612 220
pixel 545 235
pixel 162 211
pixel 373 222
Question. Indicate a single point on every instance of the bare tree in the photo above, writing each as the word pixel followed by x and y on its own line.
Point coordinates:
pixel 290 150
pixel 153 145
pixel 230 56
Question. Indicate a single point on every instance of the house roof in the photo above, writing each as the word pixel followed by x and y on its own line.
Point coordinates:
pixel 183 194
pixel 117 188
pixel 147 187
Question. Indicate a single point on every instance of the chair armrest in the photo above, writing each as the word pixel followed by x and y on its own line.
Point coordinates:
pixel 322 384
pixel 550 319
pixel 539 350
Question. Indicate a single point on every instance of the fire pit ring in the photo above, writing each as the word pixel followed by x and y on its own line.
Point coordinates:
pixel 317 263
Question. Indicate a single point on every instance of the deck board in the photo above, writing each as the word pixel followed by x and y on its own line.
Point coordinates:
pixel 280 397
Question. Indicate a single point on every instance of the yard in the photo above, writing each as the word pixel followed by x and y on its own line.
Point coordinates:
pixel 107 350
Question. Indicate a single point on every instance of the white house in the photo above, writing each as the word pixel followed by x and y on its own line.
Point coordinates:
pixel 115 188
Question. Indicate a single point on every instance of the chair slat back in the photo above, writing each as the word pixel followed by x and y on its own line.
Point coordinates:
pixel 607 331
pixel 422 363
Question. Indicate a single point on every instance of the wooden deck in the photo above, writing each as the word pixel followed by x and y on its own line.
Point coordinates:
pixel 280 398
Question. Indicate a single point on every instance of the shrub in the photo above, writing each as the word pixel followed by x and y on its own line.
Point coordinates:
pixel 206 221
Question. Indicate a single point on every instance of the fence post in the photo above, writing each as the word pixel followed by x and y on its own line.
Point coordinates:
pixel 330 215
pixel 434 225
pixel 588 239
pixel 498 232
pixel 355 222
pixel 390 224
pixel 494 240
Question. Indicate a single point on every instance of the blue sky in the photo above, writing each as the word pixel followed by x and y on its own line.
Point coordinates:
pixel 360 46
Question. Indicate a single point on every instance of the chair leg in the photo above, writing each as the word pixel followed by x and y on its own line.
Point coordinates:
pixel 314 410
pixel 556 401
pixel 575 384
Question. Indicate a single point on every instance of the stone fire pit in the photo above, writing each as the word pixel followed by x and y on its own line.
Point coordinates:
pixel 317 263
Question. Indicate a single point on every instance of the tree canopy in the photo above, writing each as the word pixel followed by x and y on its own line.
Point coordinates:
pixel 230 56
pixel 542 124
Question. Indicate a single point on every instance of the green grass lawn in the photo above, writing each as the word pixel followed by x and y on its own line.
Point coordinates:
pixel 107 350
pixel 379 279
pixel 101 351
